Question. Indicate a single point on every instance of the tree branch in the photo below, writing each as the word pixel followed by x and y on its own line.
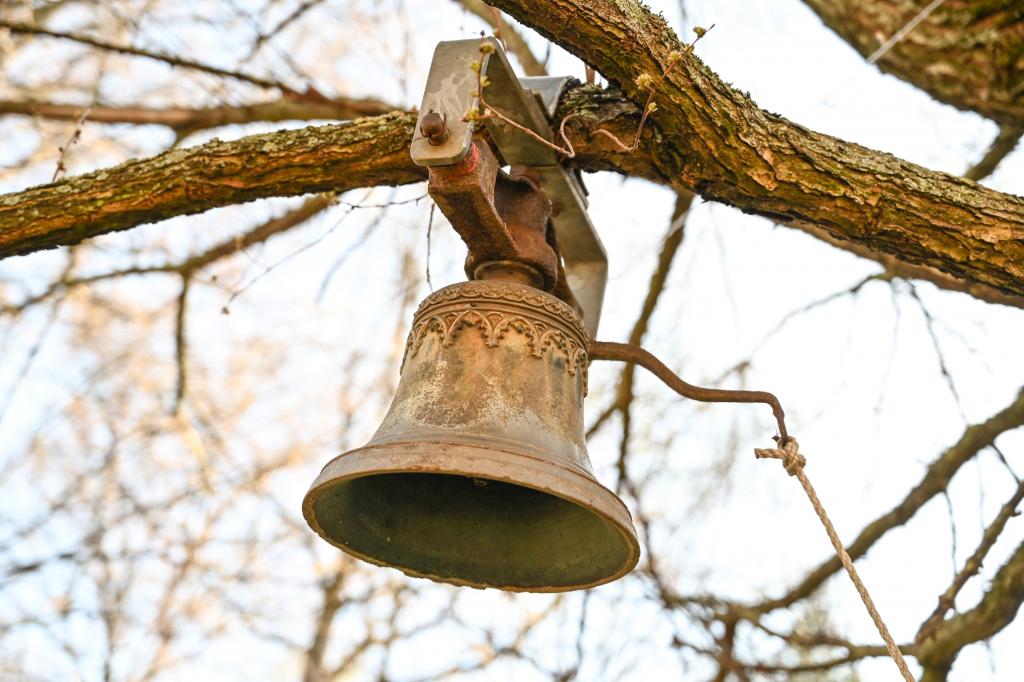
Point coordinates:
pixel 717 142
pixel 366 152
pixel 967 54
pixel 972 565
pixel 190 120
pixel 1000 148
pixel 908 224
pixel 996 610
pixel 182 62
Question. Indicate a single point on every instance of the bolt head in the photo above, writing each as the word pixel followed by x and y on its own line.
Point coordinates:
pixel 434 127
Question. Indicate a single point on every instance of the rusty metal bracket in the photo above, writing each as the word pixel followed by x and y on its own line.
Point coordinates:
pixel 492 211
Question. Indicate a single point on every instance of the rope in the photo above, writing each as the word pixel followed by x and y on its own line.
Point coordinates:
pixel 793 461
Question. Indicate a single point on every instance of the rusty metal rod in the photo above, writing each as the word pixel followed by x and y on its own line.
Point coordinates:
pixel 624 352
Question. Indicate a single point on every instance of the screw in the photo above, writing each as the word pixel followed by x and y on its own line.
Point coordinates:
pixel 434 127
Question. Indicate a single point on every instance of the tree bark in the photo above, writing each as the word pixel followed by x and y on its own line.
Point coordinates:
pixel 967 53
pixel 707 137
pixel 370 151
pixel 720 144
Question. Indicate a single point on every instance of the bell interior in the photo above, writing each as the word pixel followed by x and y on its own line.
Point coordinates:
pixel 472 531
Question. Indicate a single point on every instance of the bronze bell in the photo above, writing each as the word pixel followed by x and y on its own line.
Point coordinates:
pixel 479 473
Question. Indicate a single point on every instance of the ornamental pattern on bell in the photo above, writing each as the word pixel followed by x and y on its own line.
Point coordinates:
pixel 450 311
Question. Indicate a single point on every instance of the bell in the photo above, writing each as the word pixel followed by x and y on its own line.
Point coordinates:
pixel 479 473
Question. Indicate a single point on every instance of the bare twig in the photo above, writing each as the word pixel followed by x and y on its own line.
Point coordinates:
pixel 292 17
pixel 191 120
pixel 181 345
pixel 76 135
pixel 191 265
pixel 939 355
pixel 181 62
pixel 646 81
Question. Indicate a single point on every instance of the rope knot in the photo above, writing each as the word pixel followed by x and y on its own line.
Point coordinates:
pixel 788 452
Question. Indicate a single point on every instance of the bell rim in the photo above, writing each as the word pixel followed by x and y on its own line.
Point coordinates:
pixel 367 461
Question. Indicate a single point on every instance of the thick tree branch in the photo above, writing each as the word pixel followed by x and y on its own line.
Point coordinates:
pixel 375 151
pixel 369 151
pixel 996 610
pixel 894 267
pixel 967 54
pixel 188 267
pixel 717 142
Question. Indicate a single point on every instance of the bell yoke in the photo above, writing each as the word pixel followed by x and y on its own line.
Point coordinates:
pixel 479 473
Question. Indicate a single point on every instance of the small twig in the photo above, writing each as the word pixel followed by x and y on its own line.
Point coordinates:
pixel 182 62
pixel 952 529
pixel 181 345
pixel 939 355
pixel 371 227
pixel 1002 458
pixel 76 135
pixel 430 227
pixel 645 80
pixel 485 111
pixel 235 293
pixel 295 15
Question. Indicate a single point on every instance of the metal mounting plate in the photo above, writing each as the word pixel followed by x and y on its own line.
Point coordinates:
pixel 531 102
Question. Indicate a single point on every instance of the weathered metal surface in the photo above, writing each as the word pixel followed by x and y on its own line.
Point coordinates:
pixel 479 473
pixel 548 89
pixel 586 263
pixel 450 92
pixel 434 127
pixel 500 217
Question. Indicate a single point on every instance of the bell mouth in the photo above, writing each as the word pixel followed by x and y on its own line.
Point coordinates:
pixel 474 516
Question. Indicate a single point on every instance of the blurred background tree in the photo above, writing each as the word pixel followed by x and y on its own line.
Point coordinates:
pixel 227 312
